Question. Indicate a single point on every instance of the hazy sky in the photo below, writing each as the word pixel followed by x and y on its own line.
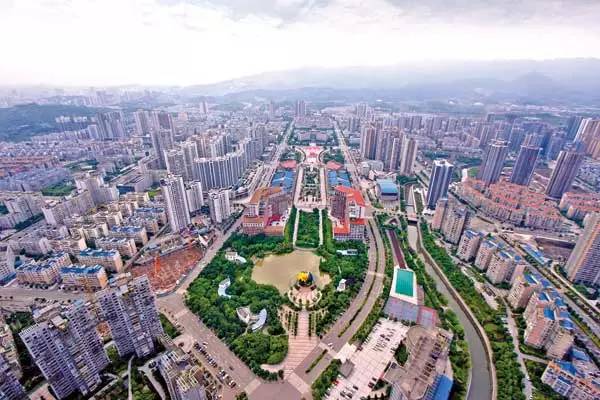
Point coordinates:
pixel 103 42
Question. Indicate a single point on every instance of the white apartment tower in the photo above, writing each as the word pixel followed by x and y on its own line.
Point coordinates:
pixel 220 208
pixel 175 196
pixel 583 265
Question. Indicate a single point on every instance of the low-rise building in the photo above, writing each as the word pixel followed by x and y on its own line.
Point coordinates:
pixel 405 302
pixel 573 380
pixel 578 205
pixel 150 224
pixel 109 259
pixel 137 233
pixel 522 289
pixel 264 212
pixel 45 272
pixel 8 350
pixel 110 218
pixel 158 213
pixel 427 373
pixel 548 324
pixel 184 377
pixel 72 245
pixel 7 263
pixel 10 388
pixel 125 246
pixel 83 277
pixel 348 211
pixel 387 190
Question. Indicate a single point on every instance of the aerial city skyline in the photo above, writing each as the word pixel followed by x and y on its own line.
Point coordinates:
pixel 300 199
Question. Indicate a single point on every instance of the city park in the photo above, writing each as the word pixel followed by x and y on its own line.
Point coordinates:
pixel 271 298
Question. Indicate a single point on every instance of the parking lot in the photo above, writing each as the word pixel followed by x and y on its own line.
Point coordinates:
pixel 370 361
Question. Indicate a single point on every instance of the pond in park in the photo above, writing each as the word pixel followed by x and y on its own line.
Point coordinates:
pixel 281 270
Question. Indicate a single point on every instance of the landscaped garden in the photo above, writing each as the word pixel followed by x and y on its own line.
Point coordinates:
pixel 308 229
pixel 269 345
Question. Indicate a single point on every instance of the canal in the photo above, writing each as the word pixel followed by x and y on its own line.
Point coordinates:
pixel 481 385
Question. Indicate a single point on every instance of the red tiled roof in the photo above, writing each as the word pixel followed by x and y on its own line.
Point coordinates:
pixel 353 194
pixel 333 165
pixel 288 164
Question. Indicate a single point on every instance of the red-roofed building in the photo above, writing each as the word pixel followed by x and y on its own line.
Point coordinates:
pixel 264 212
pixel 348 208
pixel 288 164
pixel 334 166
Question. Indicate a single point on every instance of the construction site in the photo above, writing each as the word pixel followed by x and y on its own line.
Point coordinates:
pixel 166 265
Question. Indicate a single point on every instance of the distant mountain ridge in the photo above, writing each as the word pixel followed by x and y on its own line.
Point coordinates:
pixel 561 80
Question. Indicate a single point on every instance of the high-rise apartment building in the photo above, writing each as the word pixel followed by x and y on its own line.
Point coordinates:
pixel 132 316
pixel 163 120
pixel 368 142
pixel 573 124
pixel 493 162
pixel 175 161
pixel 583 265
pixel 195 196
pixel 441 176
pixel 100 192
pixel 218 203
pixel 409 155
pixel 67 348
pixel 190 153
pixel 589 134
pixel 502 266
pixel 162 141
pixel 522 289
pixel 10 388
pixel 564 172
pixel 451 218
pixel 175 196
pixel 300 108
pixel 522 171
pixel 111 125
pixel 143 122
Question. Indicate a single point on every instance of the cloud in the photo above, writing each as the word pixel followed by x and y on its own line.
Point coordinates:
pixel 284 10
pixel 99 42
pixel 502 11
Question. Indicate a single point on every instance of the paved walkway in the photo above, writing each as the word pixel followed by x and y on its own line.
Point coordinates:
pixel 514 332
pixel 299 347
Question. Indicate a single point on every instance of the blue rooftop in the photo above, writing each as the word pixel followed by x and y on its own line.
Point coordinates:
pixel 531 279
pixel 567 367
pixel 126 229
pixel 387 186
pixel 443 388
pixel 97 253
pixel 579 354
pixel 81 269
pixel 548 313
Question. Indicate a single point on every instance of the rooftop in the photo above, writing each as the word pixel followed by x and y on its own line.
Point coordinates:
pixel 387 186
pixel 81 269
